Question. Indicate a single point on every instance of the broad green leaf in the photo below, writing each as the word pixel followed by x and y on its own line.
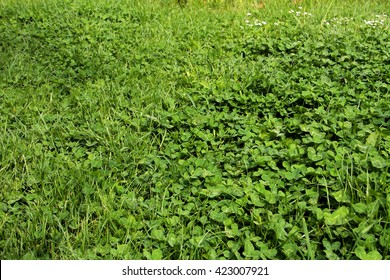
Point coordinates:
pixel 367 229
pixel 290 250
pixel 269 197
pixel 172 240
pixel 206 173
pixel 329 249
pixel 255 199
pixel 318 137
pixel 88 190
pixel 359 207
pixel 311 153
pixel 212 191
pixel 373 255
pixel 360 252
pixel 350 112
pixel 157 234
pixel 263 159
pixel 248 248
pixel 157 254
pixel 278 224
pixel 233 231
pixel 289 175
pixel 372 139
pixel 217 216
pixel 341 196
pixel 338 217
pixel 378 161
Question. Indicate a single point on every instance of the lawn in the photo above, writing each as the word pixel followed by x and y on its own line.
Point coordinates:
pixel 219 130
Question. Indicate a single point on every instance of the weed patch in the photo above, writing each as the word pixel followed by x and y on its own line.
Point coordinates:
pixel 152 131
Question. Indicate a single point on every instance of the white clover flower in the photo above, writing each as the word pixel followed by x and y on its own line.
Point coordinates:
pixel 263 22
pixel 300 8
pixel 248 14
pixel 298 13
pixel 291 11
pixel 247 21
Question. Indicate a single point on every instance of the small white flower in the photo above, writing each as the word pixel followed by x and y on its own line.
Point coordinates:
pixel 276 23
pixel 291 11
pixel 298 13
pixel 300 8
pixel 263 22
pixel 247 21
pixel 248 14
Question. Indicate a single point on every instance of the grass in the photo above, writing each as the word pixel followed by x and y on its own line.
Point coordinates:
pixel 142 130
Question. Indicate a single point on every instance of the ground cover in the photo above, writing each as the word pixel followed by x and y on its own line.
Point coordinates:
pixel 143 130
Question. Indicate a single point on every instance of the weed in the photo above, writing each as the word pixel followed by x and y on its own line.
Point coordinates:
pixel 216 131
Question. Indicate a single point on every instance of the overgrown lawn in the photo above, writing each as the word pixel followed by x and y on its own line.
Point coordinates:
pixel 142 130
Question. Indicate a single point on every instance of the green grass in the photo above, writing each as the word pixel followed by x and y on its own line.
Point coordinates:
pixel 142 130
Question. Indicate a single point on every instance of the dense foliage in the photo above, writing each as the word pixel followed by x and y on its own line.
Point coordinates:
pixel 135 131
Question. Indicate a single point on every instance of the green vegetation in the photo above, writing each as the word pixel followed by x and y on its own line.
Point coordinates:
pixel 143 130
